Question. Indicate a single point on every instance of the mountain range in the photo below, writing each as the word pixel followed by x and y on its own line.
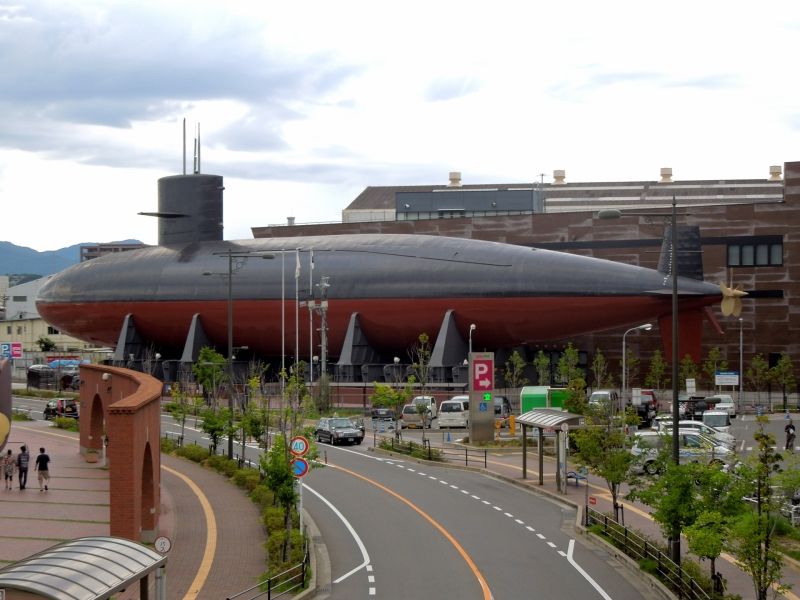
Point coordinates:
pixel 21 260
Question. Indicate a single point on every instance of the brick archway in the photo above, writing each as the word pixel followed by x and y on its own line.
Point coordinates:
pixel 126 406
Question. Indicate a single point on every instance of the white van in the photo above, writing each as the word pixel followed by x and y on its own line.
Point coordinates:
pixel 429 402
pixel 454 412
pixel 718 419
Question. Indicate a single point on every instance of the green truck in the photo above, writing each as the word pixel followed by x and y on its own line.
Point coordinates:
pixel 541 396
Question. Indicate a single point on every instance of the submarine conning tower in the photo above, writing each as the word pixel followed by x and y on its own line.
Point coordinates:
pixel 189 209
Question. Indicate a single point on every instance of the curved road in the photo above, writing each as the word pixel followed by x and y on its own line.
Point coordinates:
pixel 396 529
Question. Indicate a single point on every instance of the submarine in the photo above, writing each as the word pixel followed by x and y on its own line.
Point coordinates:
pixel 381 290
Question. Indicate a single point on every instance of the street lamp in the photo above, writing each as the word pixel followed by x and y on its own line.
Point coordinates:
pixel 472 328
pixel 231 254
pixel 645 327
pixel 674 542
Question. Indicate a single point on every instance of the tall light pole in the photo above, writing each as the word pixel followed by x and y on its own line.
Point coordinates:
pixel 231 254
pixel 472 328
pixel 644 327
pixel 674 542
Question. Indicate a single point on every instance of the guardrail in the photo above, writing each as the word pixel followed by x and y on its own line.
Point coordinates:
pixel 281 584
pixel 639 548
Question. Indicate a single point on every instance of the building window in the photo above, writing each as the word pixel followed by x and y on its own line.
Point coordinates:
pixel 52 331
pixel 19 330
pixel 8 330
pixel 19 298
pixel 755 255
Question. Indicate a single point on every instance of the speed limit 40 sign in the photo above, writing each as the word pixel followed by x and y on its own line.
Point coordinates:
pixel 298 445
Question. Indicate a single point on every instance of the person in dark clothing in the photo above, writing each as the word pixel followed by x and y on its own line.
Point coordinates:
pixel 789 430
pixel 42 466
pixel 22 466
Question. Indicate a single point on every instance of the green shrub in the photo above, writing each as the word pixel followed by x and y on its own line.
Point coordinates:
pixel 272 517
pixel 222 464
pixel 262 496
pixel 20 416
pixel 648 565
pixel 67 423
pixel 193 452
pixel 247 478
pixel 168 445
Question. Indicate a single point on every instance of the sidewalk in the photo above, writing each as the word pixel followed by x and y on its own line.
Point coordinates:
pixel 508 466
pixel 77 505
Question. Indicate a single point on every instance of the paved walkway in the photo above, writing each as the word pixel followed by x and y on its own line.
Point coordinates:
pixel 77 505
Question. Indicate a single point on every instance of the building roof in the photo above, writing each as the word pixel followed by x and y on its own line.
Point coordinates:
pixel 550 418
pixel 89 568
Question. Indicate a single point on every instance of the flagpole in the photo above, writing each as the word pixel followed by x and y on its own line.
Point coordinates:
pixel 283 321
pixel 311 316
pixel 296 321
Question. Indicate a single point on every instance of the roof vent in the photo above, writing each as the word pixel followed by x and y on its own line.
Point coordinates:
pixel 666 175
pixel 558 177
pixel 455 179
pixel 290 221
pixel 775 173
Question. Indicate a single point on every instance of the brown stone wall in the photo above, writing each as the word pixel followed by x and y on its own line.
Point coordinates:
pixel 131 419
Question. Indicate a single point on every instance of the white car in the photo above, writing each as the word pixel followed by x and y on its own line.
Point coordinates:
pixel 723 402
pixel 693 447
pixel 720 436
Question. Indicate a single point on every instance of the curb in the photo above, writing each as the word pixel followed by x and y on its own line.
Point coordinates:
pixel 320 581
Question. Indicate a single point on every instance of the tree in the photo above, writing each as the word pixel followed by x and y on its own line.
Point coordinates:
pixel 714 362
pixel 421 361
pixel 656 374
pixel 783 374
pixel 752 536
pixel 515 371
pixel 632 367
pixel 280 479
pixel 600 369
pixel 687 370
pixel 216 423
pixel 706 537
pixel 573 376
pixel 757 375
pixel 386 396
pixel 45 343
pixel 605 451
pixel 209 371
pixel 542 365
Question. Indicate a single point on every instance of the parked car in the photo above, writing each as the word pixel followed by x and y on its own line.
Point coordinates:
pixel 429 402
pixel 502 410
pixel 382 414
pixel 454 412
pixel 61 407
pixel 693 447
pixel 720 436
pixel 718 419
pixel 723 402
pixel 338 430
pixel 412 418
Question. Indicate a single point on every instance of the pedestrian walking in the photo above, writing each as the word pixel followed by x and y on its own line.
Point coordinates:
pixel 43 468
pixel 8 463
pixel 789 429
pixel 22 466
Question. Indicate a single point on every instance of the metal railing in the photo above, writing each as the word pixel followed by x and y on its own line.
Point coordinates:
pixel 287 582
pixel 469 456
pixel 638 548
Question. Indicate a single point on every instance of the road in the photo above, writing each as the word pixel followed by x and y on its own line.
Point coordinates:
pixel 395 529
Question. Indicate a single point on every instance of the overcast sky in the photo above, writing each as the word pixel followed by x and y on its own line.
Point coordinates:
pixel 304 104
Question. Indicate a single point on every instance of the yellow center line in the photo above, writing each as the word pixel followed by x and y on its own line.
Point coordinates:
pixel 211 536
pixel 487 595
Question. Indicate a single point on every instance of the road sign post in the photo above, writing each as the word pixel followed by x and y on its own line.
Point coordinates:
pixel 481 396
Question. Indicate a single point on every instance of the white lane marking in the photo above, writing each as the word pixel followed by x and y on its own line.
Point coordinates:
pixel 541 537
pixel 551 544
pixel 529 528
pixel 476 497
pixel 562 553
pixel 485 501
pixel 455 487
pixel 741 446
pixel 443 481
pixel 359 543
pixel 369 568
pixel 372 591
pixel 521 522
pixel 464 492
pixel 371 578
pixel 497 508
pixel 509 515
pixel 586 576
pixel 431 477
pixel 413 471
pixel 420 473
